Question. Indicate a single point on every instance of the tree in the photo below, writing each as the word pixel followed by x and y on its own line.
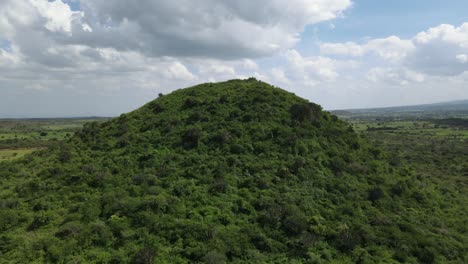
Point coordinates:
pixel 306 112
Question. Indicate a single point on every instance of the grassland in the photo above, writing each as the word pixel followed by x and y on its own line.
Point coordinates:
pixel 19 137
pixel 416 127
pixel 10 154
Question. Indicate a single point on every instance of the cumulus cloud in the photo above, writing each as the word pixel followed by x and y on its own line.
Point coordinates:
pixel 462 58
pixel 438 51
pixel 344 49
pixel 441 50
pixel 311 70
pixel 102 49
pixel 58 15
pixel 278 75
pixel 210 29
pixel 297 72
pixel 105 46
pixel 399 76
pixel 249 64
pixel 207 28
pixel 391 49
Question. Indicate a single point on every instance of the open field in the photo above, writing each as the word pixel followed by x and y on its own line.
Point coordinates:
pixel 413 127
pixel 50 135
pixel 19 137
pixel 45 124
pixel 441 121
pixel 10 154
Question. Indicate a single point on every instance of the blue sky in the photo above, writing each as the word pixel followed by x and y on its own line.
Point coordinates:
pixel 5 44
pixel 98 57
pixel 379 19
pixel 74 4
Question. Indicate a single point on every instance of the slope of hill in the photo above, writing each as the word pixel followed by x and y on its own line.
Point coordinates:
pixel 238 171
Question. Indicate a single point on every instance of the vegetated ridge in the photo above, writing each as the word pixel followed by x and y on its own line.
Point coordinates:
pixel 238 171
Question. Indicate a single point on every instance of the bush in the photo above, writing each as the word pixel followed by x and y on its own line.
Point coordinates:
pixel 306 112
pixel 375 194
pixel 191 138
pixel 146 255
pixel 190 103
pixel 214 257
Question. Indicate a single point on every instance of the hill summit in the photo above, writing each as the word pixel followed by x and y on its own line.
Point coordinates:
pixel 238 171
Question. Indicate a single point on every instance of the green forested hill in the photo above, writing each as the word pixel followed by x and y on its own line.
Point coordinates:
pixel 239 172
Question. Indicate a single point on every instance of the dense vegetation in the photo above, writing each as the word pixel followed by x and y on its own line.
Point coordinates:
pixel 457 122
pixel 435 149
pixel 238 171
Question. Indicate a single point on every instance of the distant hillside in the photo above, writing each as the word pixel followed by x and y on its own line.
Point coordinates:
pixel 438 110
pixel 239 172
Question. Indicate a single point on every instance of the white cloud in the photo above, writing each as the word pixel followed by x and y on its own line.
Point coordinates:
pixel 58 14
pixel 344 49
pixel 114 47
pixel 438 51
pixel 177 70
pixel 208 28
pixel 10 59
pixel 462 58
pixel 311 69
pixel 445 33
pixel 125 53
pixel 87 28
pixel 280 76
pixel 391 49
pixel 249 64
pixel 215 67
pixel 394 76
